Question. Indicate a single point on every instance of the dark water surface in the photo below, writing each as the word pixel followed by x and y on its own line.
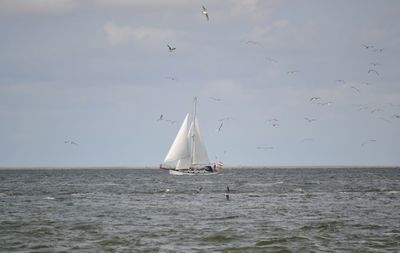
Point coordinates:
pixel 281 210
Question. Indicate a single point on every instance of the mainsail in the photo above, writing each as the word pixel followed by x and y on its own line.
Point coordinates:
pixel 180 148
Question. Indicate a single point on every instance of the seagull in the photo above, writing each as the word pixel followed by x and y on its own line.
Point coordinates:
pixel 71 142
pixel 261 147
pixel 310 120
pixel 171 49
pixel 341 81
pixel 374 64
pixel 386 120
pixel 355 88
pixel 366 142
pixel 216 99
pixel 204 11
pixel 367 46
pixel 160 118
pixel 314 98
pixel 365 107
pixel 326 103
pixel 253 42
pixel 397 116
pixel 376 110
pixel 274 124
pixel 270 120
pixel 220 127
pixel 170 121
pixel 292 72
pixel 373 70
pixel 379 50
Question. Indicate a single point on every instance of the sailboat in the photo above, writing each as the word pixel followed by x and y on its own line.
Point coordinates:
pixel 188 151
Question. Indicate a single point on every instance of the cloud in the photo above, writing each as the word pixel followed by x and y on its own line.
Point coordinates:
pixel 117 35
pixel 8 7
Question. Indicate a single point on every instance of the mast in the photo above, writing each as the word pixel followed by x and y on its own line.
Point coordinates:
pixel 193 132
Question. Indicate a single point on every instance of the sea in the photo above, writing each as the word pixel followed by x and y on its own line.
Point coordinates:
pixel 148 210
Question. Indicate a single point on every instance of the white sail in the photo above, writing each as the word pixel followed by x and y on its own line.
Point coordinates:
pixel 199 151
pixel 180 148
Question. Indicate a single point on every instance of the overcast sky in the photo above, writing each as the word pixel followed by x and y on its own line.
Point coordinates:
pixel 99 73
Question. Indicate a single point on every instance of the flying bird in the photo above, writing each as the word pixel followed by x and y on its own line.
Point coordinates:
pixel 271 120
pixel 374 64
pixel 292 72
pixel 376 110
pixel 274 124
pixel 397 116
pixel 355 88
pixel 366 142
pixel 170 121
pixel 307 139
pixel 314 98
pixel 216 99
pixel 365 107
pixel 161 117
pixel 310 120
pixel 340 81
pixel 171 49
pixel 220 126
pixel 325 103
pixel 205 12
pixel 367 46
pixel 253 42
pixel 378 50
pixel 71 142
pixel 373 70
pixel 386 120
pixel 265 148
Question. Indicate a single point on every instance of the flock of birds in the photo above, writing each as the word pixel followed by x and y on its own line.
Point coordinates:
pixel 274 122
pixel 317 100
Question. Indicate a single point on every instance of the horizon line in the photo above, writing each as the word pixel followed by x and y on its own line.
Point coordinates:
pixel 226 166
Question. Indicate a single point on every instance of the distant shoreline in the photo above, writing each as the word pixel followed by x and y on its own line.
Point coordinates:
pixel 225 167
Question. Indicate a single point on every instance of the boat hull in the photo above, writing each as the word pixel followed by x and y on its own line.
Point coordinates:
pixel 197 172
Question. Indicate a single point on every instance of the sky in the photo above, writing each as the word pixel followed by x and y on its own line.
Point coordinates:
pixel 83 83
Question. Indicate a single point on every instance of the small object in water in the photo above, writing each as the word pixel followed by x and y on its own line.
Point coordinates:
pixel 226 195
